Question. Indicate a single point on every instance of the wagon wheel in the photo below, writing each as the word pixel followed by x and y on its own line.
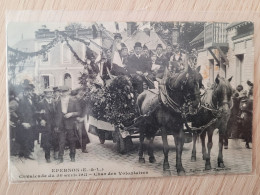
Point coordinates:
pixel 101 136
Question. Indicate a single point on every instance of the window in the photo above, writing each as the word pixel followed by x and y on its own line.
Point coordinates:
pixel 46 81
pixel 239 64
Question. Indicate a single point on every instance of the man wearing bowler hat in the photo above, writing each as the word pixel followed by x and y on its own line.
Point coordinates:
pixel 66 112
pixel 138 67
pixel 26 114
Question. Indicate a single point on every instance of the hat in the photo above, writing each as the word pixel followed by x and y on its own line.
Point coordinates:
pixel 137 44
pixel 117 35
pixel 145 47
pixel 47 90
pixel 123 46
pixel 27 85
pixel 159 46
pixel 64 88
pixel 55 89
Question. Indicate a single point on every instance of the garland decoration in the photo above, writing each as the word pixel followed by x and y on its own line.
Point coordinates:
pixel 114 103
pixel 15 56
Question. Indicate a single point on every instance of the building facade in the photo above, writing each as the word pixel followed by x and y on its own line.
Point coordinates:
pixel 227 50
pixel 57 66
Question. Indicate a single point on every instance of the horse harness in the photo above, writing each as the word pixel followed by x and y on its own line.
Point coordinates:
pixel 208 105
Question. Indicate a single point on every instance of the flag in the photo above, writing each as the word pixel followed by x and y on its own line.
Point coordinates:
pixel 117 59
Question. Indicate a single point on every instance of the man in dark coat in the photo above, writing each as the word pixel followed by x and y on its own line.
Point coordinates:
pixel 47 123
pixel 161 60
pixel 26 114
pixel 138 67
pixel 66 112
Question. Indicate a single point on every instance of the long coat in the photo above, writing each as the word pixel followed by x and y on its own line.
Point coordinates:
pixel 48 115
pixel 26 111
pixel 135 63
pixel 60 121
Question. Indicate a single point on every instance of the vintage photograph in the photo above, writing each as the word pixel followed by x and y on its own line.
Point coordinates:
pixel 100 100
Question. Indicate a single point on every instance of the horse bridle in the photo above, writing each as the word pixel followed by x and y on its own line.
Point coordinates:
pixel 186 97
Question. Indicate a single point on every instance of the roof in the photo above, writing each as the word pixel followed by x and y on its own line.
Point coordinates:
pixel 198 38
pixel 26 45
pixel 141 36
pixel 237 24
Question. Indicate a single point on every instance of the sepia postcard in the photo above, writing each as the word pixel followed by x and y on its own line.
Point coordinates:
pixel 100 100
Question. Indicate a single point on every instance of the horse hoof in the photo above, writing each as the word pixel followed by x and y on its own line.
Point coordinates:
pixel 221 164
pixel 193 159
pixel 226 147
pixel 204 157
pixel 141 160
pixel 208 167
pixel 152 159
pixel 166 166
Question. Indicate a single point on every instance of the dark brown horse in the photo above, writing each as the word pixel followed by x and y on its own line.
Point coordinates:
pixel 163 110
pixel 216 104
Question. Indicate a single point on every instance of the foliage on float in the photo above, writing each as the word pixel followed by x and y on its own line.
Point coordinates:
pixel 114 103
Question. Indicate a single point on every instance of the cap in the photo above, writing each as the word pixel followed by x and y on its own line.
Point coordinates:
pixel 55 89
pixel 47 90
pixel 64 88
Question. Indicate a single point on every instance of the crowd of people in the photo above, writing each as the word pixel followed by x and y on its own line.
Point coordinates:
pixel 142 64
pixel 56 120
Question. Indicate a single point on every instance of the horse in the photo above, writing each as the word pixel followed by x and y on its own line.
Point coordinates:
pixel 216 104
pixel 163 110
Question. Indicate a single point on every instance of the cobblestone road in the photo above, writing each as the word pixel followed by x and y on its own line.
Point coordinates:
pixel 237 158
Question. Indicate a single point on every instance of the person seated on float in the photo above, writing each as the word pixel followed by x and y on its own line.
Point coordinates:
pixel 121 70
pixel 138 67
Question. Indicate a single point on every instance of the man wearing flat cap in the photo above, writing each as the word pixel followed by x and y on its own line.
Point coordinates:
pixel 138 67
pixel 47 123
pixel 26 114
pixel 66 111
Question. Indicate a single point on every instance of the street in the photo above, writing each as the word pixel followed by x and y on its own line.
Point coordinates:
pixel 237 158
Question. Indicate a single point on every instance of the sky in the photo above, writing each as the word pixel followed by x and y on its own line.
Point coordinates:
pixel 20 30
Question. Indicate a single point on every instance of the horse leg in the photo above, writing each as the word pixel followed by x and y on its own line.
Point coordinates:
pixel 150 150
pixel 179 142
pixel 193 154
pixel 220 154
pixel 226 135
pixel 209 146
pixel 202 137
pixel 141 148
pixel 165 149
